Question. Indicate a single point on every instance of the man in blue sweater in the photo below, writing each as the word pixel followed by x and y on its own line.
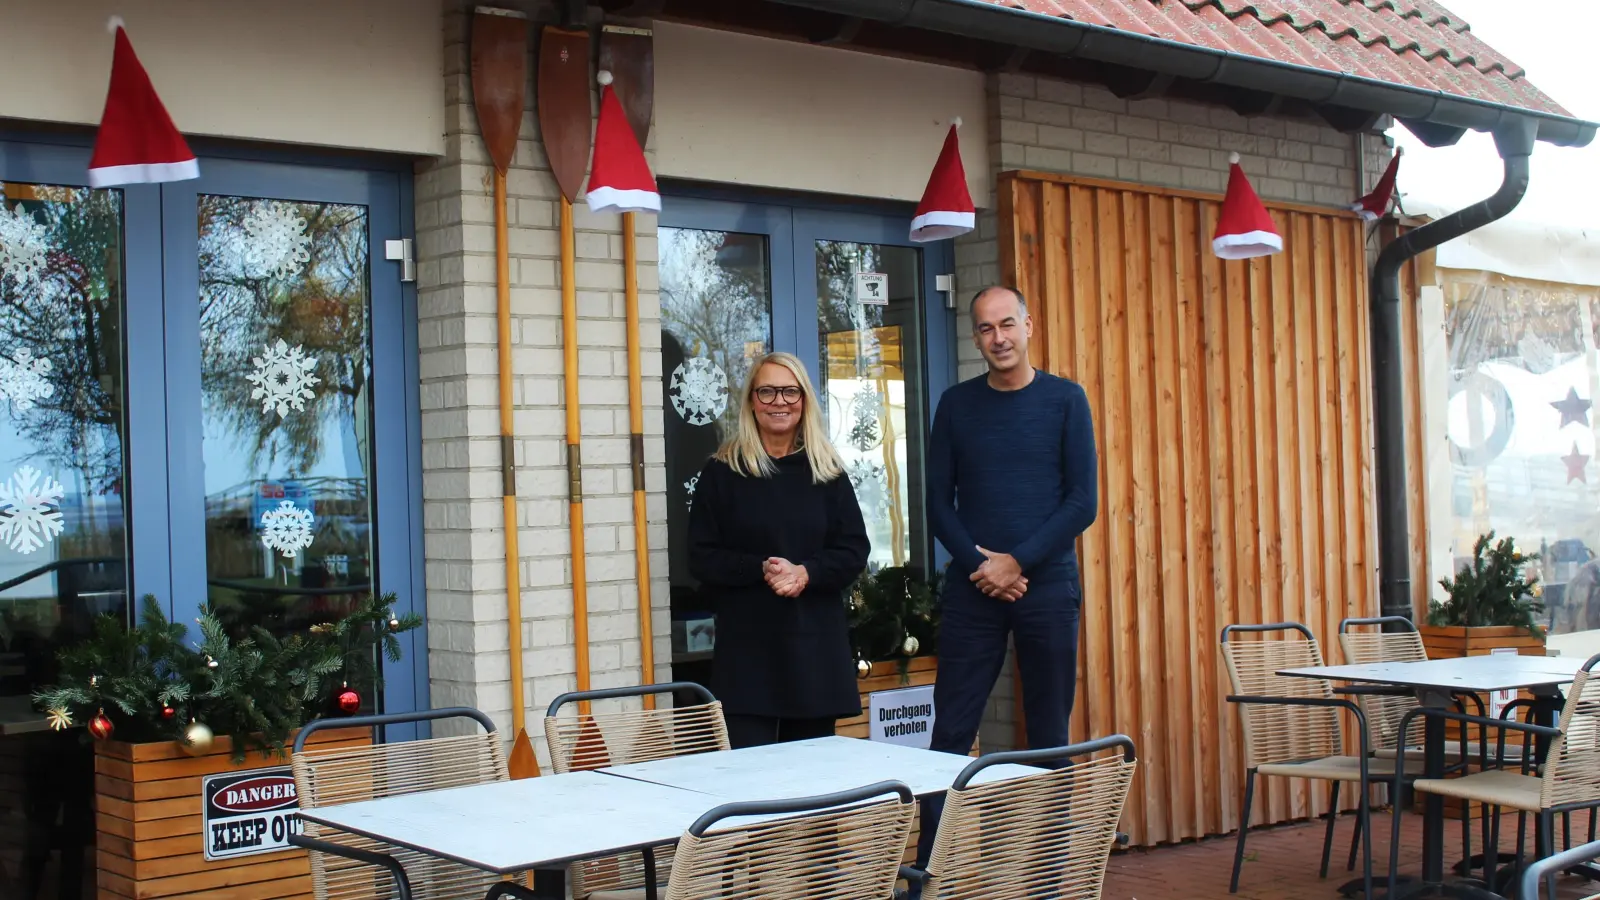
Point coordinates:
pixel 1012 482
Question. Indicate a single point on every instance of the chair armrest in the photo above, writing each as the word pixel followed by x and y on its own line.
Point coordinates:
pixel 402 885
pixel 1504 724
pixel 1327 702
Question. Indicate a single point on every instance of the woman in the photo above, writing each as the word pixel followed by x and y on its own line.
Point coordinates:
pixel 775 537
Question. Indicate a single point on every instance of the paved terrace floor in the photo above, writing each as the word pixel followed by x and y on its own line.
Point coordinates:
pixel 1281 862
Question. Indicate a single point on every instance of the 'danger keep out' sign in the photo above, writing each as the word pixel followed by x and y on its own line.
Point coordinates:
pixel 246 813
pixel 903 716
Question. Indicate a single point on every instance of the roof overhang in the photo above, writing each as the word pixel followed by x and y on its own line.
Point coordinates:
pixel 1438 118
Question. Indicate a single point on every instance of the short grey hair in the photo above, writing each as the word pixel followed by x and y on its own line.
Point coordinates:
pixel 972 306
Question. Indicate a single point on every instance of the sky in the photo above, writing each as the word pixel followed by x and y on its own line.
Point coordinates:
pixel 1552 40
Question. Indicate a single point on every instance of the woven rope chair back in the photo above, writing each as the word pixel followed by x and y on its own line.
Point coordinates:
pixel 348 775
pixel 843 853
pixel 1045 835
pixel 1572 768
pixel 1281 734
pixel 1383 714
pixel 620 736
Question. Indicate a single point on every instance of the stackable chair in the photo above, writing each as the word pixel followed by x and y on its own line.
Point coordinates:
pixel 1384 710
pixel 1292 729
pixel 345 866
pixel 1043 835
pixel 1569 779
pixel 1546 868
pixel 619 735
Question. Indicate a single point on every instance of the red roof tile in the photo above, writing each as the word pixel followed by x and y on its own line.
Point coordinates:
pixel 1417 43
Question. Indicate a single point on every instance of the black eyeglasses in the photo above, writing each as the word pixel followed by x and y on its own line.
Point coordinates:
pixel 768 394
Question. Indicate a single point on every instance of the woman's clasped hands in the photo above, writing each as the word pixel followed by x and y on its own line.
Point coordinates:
pixel 785 578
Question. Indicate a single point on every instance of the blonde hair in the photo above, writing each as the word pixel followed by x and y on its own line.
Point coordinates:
pixel 743 451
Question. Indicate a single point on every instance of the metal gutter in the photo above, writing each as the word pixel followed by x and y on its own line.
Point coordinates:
pixel 1515 145
pixel 1057 35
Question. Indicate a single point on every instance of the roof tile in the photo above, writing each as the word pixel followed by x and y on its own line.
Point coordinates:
pixel 1418 43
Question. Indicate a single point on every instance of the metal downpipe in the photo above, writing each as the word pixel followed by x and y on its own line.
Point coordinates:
pixel 1514 141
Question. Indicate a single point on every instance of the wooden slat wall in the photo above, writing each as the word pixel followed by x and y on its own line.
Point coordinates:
pixel 1232 403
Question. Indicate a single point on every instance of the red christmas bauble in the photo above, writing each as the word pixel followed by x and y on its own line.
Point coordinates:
pixel 101 727
pixel 168 712
pixel 349 701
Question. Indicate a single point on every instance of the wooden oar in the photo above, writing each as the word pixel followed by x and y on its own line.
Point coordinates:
pixel 629 55
pixel 564 123
pixel 499 71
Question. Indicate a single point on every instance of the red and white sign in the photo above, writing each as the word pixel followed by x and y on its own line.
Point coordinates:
pixel 246 813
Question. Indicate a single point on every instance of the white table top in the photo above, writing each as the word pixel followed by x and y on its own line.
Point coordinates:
pixel 817 766
pixel 508 826
pixel 1495 672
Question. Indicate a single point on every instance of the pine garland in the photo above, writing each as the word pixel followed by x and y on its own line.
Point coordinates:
pixel 894 615
pixel 256 688
pixel 1492 590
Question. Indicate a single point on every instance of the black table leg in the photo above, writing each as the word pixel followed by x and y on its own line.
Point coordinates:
pixel 649 873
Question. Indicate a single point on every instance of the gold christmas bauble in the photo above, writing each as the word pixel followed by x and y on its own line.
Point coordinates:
pixel 863 668
pixel 911 645
pixel 197 739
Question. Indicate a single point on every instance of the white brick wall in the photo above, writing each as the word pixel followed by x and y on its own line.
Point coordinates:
pixel 464 537
pixel 1053 126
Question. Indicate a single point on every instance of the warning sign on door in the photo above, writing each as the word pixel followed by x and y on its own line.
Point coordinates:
pixel 246 813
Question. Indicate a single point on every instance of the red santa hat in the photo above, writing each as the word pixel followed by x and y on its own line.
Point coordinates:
pixel 620 180
pixel 1374 205
pixel 1244 227
pixel 137 142
pixel 946 210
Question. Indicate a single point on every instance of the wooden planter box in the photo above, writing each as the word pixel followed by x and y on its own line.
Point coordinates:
pixel 1457 641
pixel 148 818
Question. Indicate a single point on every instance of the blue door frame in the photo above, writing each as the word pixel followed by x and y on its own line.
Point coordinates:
pixel 792 228
pixel 165 501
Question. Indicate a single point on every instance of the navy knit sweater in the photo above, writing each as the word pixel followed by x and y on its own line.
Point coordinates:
pixel 1014 472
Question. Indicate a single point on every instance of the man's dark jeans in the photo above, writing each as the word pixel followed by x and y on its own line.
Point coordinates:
pixel 972 649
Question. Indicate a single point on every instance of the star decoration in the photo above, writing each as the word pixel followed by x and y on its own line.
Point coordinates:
pixel 1573 409
pixel 1576 463
pixel 60 719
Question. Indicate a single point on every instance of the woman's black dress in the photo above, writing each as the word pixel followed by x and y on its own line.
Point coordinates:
pixel 784 657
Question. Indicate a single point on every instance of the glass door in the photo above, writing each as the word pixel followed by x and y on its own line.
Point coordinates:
pixel 848 294
pixel 289 399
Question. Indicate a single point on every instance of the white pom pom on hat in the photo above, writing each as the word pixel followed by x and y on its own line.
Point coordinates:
pixel 603 76
pixel 113 23
pixel 1233 159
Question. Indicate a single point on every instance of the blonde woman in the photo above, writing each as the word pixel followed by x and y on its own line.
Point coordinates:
pixel 775 537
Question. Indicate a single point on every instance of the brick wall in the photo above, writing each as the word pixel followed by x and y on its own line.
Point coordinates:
pixel 464 537
pixel 1054 126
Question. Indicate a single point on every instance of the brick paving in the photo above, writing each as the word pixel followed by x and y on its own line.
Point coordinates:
pixel 1281 863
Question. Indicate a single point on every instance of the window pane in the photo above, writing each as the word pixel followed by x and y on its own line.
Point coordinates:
pixel 285 335
pixel 869 334
pixel 716 316
pixel 63 535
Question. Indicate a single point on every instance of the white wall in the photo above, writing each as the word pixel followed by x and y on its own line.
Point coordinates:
pixel 748 110
pixel 365 74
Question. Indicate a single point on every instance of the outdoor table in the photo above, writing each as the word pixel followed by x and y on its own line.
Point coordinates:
pixel 547 822
pixel 816 766
pixel 535 823
pixel 1434 681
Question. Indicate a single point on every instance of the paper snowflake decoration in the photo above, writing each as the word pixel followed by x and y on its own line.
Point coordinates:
pixel 30 510
pixel 871 490
pixel 23 245
pixel 278 243
pixel 287 529
pixel 24 379
pixel 283 378
pixel 699 391
pixel 60 718
pixel 866 408
pixel 689 486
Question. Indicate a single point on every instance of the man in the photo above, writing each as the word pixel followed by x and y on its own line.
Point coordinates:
pixel 1012 482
